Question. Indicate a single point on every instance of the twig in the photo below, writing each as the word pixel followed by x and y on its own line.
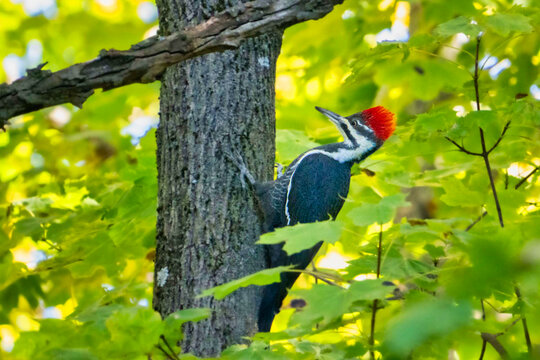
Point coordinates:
pixel 522 181
pixel 483 310
pixel 500 138
pixel 319 276
pixel 475 76
pixel 379 250
pixel 175 356
pixel 490 175
pixel 512 324
pixel 493 307
pixel 485 153
pixel 476 221
pixel 484 343
pixel 376 301
pixel 524 322
pixel 494 49
pixel 461 148
pixel 483 351
pixel 167 355
pixel 518 185
pixel 492 340
pixel 485 156
pixel 443 58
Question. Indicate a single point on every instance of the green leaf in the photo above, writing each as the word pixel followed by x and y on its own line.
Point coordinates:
pixel 71 354
pixel 173 322
pixel 182 316
pixel 257 350
pixel 423 321
pixel 435 251
pixel 28 227
pixel 456 194
pixel 291 143
pixel 134 331
pixel 303 236
pixel 504 24
pixel 434 122
pixel 458 25
pixel 324 304
pixel 512 200
pixel 380 213
pixel 260 278
pixel 370 289
pixel 417 233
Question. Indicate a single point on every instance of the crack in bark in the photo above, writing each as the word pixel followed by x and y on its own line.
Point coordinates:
pixel 145 61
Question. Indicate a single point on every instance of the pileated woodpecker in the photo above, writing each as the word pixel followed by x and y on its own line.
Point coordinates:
pixel 314 188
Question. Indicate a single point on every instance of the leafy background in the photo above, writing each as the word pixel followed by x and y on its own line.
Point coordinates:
pixel 78 188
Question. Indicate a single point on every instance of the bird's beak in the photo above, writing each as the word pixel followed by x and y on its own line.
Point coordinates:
pixel 335 118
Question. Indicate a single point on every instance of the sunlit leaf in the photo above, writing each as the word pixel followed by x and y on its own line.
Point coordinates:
pixel 303 236
pixel 504 24
pixel 423 321
pixel 458 25
pixel 380 213
pixel 263 277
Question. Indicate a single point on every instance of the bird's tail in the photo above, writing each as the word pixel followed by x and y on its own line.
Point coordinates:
pixel 274 294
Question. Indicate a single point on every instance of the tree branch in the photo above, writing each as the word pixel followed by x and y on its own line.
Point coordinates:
pixel 144 62
pixel 483 350
pixel 461 148
pixel 524 323
pixel 484 213
pixel 172 352
pixel 485 152
pixel 518 185
pixel 500 138
pixel 522 181
pixel 375 302
pixel 492 340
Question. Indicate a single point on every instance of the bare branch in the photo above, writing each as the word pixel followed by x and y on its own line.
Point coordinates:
pixel 485 153
pixel 167 355
pixel 524 323
pixel 318 275
pixel 172 352
pixel 492 340
pixel 483 351
pixel 522 181
pixel 376 301
pixel 484 213
pixel 461 148
pixel 144 62
pixel 500 138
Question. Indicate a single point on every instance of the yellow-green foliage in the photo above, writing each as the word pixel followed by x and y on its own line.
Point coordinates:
pixel 78 199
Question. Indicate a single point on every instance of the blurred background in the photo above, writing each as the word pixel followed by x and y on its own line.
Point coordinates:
pixel 78 187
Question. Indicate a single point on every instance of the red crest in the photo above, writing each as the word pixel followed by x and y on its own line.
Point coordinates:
pixel 381 120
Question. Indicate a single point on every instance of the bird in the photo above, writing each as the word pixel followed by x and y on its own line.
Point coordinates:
pixel 313 188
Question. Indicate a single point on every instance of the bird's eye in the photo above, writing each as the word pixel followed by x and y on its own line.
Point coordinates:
pixel 354 123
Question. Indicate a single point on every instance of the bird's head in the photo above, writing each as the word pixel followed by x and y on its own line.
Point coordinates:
pixel 373 125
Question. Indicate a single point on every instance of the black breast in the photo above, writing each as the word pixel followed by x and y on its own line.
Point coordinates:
pixel 314 188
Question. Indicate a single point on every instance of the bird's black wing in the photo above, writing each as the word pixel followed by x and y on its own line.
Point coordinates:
pixel 317 190
pixel 317 186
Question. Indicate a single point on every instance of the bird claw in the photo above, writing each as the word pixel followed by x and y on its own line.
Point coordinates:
pixel 237 160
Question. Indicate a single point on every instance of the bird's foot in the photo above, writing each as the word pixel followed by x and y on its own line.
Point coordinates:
pixel 238 161
pixel 280 170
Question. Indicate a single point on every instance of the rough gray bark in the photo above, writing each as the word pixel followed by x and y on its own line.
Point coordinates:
pixel 145 62
pixel 207 223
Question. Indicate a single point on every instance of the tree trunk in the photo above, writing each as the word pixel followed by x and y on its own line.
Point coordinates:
pixel 207 224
